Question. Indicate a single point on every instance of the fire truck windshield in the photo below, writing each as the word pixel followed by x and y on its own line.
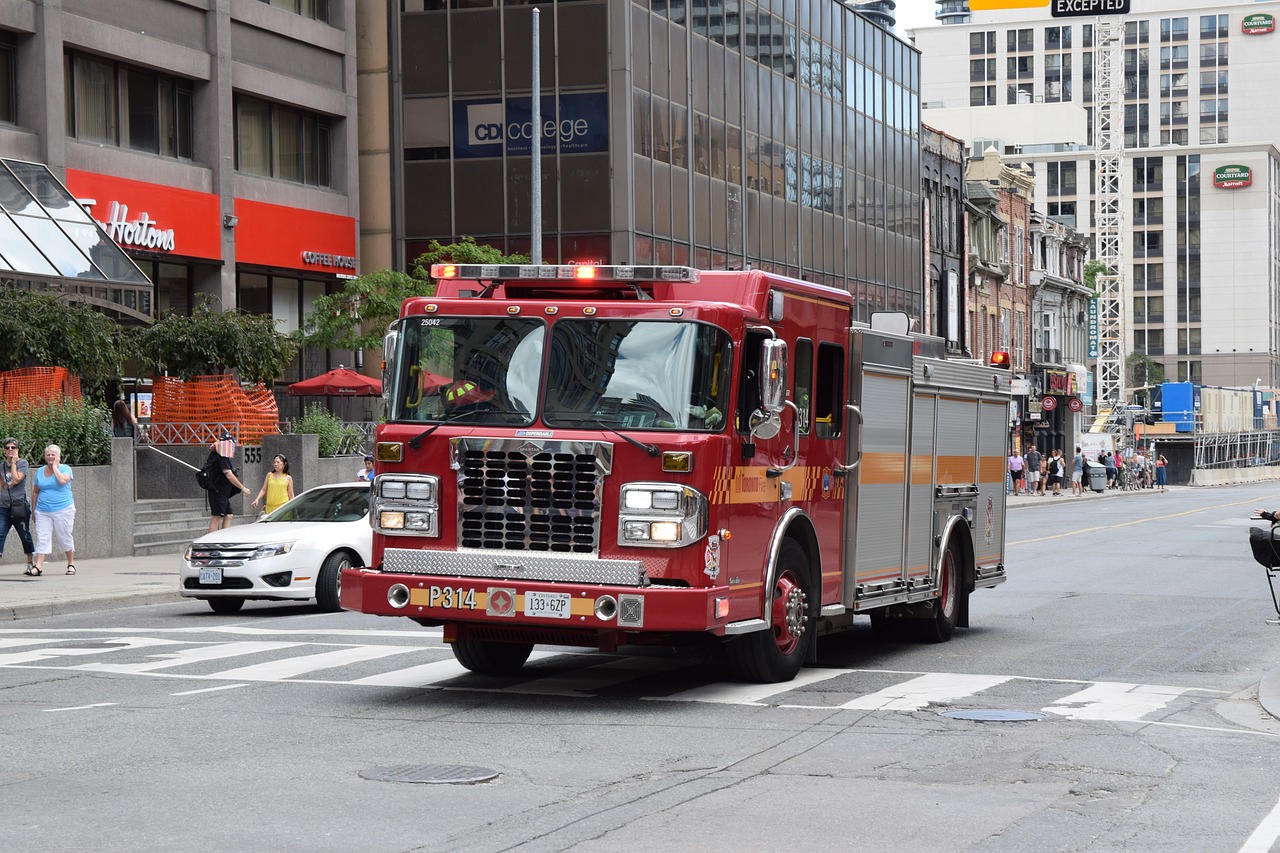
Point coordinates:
pixel 478 370
pixel 628 374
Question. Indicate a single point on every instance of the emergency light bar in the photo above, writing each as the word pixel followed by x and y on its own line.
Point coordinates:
pixel 551 272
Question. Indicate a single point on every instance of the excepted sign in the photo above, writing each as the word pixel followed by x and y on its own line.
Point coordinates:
pixel 1089 8
pixel 484 128
pixel 1256 25
pixel 1093 328
pixel 1232 177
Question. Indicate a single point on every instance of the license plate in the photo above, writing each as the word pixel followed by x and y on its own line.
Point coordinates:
pixel 211 576
pixel 547 605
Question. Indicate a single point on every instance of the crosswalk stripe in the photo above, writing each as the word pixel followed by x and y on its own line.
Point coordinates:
pixel 191 654
pixel 918 693
pixel 751 694
pixel 1107 700
pixel 122 644
pixel 295 666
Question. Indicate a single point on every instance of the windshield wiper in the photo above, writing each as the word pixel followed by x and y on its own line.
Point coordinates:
pixel 651 449
pixel 416 441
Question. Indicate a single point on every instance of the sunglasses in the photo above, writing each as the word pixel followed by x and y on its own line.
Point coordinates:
pixel 11 447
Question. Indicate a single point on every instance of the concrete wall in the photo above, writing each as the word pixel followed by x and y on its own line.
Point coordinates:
pixel 105 495
pixel 1229 476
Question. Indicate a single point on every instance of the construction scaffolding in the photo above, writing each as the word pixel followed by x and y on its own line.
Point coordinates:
pixel 1236 449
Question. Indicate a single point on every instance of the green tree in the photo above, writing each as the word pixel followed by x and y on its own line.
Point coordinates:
pixel 1093 269
pixel 357 316
pixel 210 342
pixel 44 330
pixel 1142 370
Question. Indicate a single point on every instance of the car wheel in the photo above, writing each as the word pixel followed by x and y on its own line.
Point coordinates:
pixel 226 605
pixel 329 581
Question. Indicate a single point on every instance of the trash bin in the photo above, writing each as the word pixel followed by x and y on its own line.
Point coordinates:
pixel 1097 478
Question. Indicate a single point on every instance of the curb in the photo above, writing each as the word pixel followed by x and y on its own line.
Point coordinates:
pixel 1269 693
pixel 87 605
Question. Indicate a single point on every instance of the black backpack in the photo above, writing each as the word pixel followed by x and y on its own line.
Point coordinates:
pixel 204 477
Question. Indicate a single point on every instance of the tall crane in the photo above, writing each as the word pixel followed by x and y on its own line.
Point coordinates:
pixel 1109 224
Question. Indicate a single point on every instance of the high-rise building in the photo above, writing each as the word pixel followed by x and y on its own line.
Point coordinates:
pixel 878 11
pixel 1201 197
pixel 953 12
pixel 715 135
pixel 214 141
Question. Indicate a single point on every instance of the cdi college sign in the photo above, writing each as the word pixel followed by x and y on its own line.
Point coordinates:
pixel 482 128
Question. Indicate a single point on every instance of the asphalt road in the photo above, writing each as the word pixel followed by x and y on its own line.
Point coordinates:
pixel 1133 629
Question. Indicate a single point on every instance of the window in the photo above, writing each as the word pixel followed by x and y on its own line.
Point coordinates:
pixel 110 103
pixel 802 392
pixel 1019 41
pixel 982 70
pixel 1173 29
pixel 1057 38
pixel 1213 54
pixel 1020 93
pixel 1062 178
pixel 8 80
pixel 828 403
pixel 982 42
pixel 1188 342
pixel 317 9
pixel 982 96
pixel 1020 67
pixel 280 142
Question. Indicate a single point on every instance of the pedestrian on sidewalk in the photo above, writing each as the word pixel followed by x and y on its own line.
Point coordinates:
pixel 15 509
pixel 1077 473
pixel 1161 475
pixel 1034 465
pixel 1110 462
pixel 54 509
pixel 277 486
pixel 1057 469
pixel 225 482
pixel 1015 472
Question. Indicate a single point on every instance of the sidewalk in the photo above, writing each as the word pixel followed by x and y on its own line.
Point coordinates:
pixel 1015 501
pixel 97 585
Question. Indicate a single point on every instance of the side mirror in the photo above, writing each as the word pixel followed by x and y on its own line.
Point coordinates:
pixel 389 342
pixel 773 376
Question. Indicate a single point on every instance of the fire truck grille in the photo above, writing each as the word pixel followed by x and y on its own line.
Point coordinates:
pixel 528 501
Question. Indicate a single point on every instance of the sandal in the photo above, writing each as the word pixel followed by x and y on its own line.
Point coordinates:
pixel 71 570
pixel 36 571
pixel 30 571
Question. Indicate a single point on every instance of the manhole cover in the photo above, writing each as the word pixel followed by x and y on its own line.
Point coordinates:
pixel 994 715
pixel 447 774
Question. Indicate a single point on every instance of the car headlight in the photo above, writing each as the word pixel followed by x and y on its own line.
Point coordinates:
pixel 661 515
pixel 274 550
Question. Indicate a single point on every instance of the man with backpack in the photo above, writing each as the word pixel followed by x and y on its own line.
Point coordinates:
pixel 1035 462
pixel 218 476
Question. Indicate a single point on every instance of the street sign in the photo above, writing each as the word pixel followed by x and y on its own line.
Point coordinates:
pixel 1048 403
pixel 1074 404
pixel 1089 8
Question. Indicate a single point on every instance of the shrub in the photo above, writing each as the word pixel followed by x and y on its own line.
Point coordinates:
pixel 333 433
pixel 78 427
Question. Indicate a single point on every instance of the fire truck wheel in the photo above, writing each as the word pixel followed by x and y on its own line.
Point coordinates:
pixel 489 658
pixel 329 581
pixel 946 607
pixel 776 655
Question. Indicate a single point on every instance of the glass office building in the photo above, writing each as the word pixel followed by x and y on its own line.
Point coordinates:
pixel 781 135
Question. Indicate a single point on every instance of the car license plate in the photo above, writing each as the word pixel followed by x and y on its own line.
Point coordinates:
pixel 547 605
pixel 211 576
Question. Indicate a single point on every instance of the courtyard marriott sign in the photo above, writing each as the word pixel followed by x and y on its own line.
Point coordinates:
pixel 1232 177
pixel 1256 25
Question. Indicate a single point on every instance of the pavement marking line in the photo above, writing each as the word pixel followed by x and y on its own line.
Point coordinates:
pixel 208 689
pixel 750 694
pixel 1253 502
pixel 280 670
pixel 82 707
pixel 597 676
pixel 189 655
pixel 1113 700
pixel 1264 837
pixel 932 689
pixel 122 644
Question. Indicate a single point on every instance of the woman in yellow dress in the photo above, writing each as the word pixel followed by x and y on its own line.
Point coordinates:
pixel 277 486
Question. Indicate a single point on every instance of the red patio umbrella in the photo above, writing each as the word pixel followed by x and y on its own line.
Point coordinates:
pixel 340 382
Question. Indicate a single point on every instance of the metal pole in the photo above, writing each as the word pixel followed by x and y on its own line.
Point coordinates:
pixel 535 200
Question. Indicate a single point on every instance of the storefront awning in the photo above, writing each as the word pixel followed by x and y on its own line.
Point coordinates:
pixel 46 236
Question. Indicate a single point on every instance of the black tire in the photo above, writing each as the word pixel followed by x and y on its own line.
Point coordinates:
pixel 226 605
pixel 777 654
pixel 329 581
pixel 489 658
pixel 946 608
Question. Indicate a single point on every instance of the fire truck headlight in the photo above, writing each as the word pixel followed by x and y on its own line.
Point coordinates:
pixel 392 489
pixel 391 520
pixel 407 504
pixel 420 491
pixel 661 515
pixel 423 522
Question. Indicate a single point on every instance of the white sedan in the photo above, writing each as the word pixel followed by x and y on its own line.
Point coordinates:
pixel 296 553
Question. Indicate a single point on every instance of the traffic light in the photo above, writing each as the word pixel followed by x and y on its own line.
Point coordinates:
pixel 1000 359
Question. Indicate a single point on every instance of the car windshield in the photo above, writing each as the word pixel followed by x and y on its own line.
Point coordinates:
pixel 467 370
pixel 626 374
pixel 344 504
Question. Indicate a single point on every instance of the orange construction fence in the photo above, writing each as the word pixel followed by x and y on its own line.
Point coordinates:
pixel 209 402
pixel 34 385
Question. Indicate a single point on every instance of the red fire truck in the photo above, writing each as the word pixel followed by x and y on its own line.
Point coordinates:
pixel 617 455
